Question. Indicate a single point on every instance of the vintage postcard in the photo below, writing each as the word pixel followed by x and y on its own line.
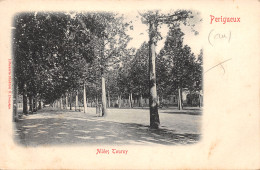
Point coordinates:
pixel 129 84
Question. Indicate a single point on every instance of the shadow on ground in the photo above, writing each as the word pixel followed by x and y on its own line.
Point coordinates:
pixel 185 112
pixel 65 128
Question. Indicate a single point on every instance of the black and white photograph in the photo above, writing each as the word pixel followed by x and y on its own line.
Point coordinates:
pixel 129 84
pixel 107 78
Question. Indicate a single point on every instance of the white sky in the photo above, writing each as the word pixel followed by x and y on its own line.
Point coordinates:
pixel 140 34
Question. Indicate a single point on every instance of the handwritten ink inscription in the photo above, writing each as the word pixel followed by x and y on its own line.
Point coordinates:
pixel 219 64
pixel 216 37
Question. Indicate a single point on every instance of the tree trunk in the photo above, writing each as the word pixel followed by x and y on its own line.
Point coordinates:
pixel 25 110
pixel 71 101
pixel 30 104
pixel 199 100
pixel 104 98
pixel 131 100
pixel 117 102
pixel 40 104
pixel 84 98
pixel 108 95
pixel 191 99
pixel 141 101
pixel 97 110
pixel 76 102
pixel 66 101
pixel 153 101
pixel 103 82
pixel 179 99
pixel 120 101
pixel 34 104
pixel 158 100
pixel 61 104
pixel 162 101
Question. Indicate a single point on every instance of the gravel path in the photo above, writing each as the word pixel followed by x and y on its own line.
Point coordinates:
pixel 51 126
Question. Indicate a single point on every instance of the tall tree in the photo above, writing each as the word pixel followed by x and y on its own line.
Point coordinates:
pixel 154 19
pixel 185 70
pixel 139 72
pixel 110 39
pixel 49 62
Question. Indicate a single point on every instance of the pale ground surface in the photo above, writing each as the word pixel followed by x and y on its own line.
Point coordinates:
pixel 52 126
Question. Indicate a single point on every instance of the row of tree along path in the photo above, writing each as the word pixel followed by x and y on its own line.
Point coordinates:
pixel 58 56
